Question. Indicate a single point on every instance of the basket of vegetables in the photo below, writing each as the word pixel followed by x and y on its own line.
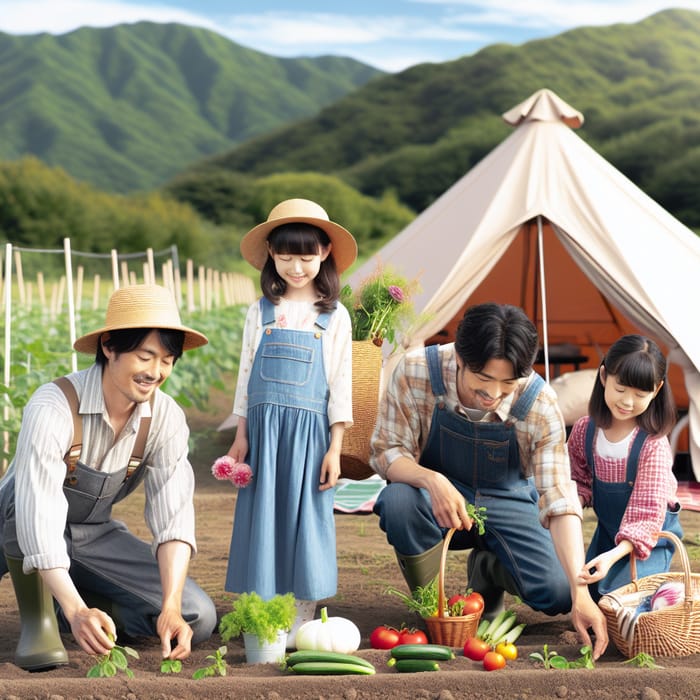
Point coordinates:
pixel 658 614
pixel 445 628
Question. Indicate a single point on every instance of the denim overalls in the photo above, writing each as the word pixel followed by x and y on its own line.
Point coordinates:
pixel 482 461
pixel 284 530
pixel 609 503
pixel 106 560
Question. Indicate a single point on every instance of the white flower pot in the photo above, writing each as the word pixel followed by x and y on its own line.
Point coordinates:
pixel 264 653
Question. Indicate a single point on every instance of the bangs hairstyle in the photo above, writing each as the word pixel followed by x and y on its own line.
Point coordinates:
pixel 636 361
pixel 129 339
pixel 301 239
pixel 497 332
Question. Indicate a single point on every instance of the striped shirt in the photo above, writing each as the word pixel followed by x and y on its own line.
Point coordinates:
pixel 405 415
pixel 654 489
pixel 39 470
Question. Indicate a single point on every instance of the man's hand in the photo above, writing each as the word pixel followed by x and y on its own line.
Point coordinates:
pixel 449 507
pixel 585 614
pixel 92 628
pixel 171 625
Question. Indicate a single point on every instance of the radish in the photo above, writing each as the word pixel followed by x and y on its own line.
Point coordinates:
pixel 667 594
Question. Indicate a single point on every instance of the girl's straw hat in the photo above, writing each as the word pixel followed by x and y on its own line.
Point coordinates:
pixel 254 243
pixel 141 306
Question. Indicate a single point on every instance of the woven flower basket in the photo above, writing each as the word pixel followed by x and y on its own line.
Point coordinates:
pixel 449 631
pixel 671 631
pixel 366 373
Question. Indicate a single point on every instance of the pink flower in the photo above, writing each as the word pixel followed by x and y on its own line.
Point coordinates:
pixel 396 293
pixel 242 475
pixel 223 468
pixel 227 469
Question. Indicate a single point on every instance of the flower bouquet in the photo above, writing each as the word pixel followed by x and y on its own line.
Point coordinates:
pixel 381 308
pixel 227 469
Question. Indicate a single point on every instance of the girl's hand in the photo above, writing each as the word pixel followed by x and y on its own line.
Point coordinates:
pixel 330 471
pixel 596 569
pixel 239 449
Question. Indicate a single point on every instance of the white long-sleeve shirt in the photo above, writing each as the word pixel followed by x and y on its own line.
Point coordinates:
pixel 337 353
pixel 39 470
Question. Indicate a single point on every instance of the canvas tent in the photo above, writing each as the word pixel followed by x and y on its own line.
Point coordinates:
pixel 546 223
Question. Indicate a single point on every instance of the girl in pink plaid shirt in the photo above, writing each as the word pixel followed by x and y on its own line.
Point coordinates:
pixel 622 463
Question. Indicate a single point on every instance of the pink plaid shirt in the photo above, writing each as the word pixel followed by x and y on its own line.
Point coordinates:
pixel 654 489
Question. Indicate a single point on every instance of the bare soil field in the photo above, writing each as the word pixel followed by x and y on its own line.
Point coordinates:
pixel 366 567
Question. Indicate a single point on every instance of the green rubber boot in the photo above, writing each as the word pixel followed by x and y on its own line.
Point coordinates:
pixel 489 577
pixel 420 569
pixel 40 647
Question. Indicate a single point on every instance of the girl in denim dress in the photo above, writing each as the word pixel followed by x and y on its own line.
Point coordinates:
pixel 293 403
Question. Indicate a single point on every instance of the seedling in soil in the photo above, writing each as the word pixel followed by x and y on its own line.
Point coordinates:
pixel 170 666
pixel 549 658
pixel 217 667
pixel 642 660
pixel 108 665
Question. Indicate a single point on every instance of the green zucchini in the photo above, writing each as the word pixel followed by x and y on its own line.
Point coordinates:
pixel 414 665
pixel 422 651
pixel 312 656
pixel 331 668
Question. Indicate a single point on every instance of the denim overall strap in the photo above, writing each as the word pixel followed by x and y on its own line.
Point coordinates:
pixel 610 500
pixel 432 357
pixel 522 406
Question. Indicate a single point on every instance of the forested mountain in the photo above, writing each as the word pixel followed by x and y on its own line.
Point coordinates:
pixel 417 132
pixel 126 107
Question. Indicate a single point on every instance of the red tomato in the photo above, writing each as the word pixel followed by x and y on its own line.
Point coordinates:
pixel 465 603
pixel 476 649
pixel 384 637
pixel 493 661
pixel 507 650
pixel 412 636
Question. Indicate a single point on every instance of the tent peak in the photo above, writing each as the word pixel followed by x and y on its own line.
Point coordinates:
pixel 544 105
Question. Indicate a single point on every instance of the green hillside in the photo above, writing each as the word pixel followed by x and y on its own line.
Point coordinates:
pixel 416 132
pixel 125 108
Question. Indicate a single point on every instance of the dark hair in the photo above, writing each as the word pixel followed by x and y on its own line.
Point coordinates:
pixel 637 362
pixel 497 331
pixel 301 239
pixel 128 339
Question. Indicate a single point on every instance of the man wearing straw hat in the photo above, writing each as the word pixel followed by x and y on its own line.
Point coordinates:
pixel 56 529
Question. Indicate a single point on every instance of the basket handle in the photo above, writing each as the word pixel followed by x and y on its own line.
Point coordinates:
pixel 441 573
pixel 682 553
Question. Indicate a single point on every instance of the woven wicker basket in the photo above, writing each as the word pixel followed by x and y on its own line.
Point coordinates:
pixel 671 631
pixel 449 631
pixel 366 374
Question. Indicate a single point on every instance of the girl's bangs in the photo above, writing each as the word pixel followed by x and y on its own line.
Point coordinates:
pixel 638 371
pixel 298 239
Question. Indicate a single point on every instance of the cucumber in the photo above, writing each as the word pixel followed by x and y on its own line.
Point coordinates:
pixel 422 651
pixel 414 665
pixel 331 668
pixel 311 656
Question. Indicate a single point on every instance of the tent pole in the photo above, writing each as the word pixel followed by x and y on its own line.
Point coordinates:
pixel 543 294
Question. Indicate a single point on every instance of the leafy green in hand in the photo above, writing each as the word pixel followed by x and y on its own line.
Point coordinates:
pixel 478 515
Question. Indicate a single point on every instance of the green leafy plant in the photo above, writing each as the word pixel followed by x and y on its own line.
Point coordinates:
pixel 109 664
pixel 549 658
pixel 423 600
pixel 585 659
pixel 642 660
pixel 170 666
pixel 217 667
pixel 264 618
pixel 381 307
pixel 478 515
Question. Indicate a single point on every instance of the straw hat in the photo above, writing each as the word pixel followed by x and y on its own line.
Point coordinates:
pixel 254 243
pixel 141 306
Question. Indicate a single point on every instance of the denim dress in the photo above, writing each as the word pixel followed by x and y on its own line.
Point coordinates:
pixel 610 501
pixel 284 530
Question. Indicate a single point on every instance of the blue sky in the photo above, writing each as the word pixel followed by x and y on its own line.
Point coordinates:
pixel 388 34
